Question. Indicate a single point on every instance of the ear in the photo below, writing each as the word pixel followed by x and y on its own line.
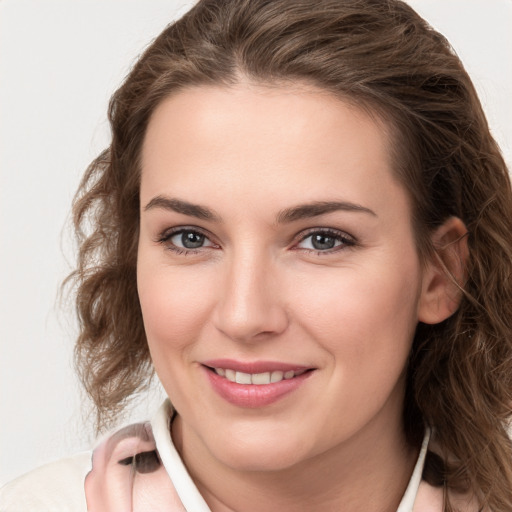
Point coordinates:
pixel 444 274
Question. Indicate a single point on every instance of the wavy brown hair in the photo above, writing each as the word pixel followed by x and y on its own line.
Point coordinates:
pixel 380 55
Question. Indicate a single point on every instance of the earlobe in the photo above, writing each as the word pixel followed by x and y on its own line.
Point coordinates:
pixel 445 273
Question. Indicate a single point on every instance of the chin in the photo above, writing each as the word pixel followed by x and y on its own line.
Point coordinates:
pixel 260 453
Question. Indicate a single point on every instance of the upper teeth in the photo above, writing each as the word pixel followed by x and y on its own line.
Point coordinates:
pixel 257 378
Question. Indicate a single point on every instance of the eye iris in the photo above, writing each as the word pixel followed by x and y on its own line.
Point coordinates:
pixel 192 240
pixel 322 242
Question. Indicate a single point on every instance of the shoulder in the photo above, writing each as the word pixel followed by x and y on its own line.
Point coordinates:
pixel 54 487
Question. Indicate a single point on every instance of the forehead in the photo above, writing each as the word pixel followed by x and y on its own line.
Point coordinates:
pixel 256 109
pixel 254 139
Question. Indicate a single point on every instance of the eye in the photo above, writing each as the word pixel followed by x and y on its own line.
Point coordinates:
pixel 189 240
pixel 325 240
pixel 185 240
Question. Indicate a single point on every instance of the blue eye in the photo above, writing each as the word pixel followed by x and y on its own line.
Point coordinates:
pixel 188 240
pixel 326 240
pixel 182 240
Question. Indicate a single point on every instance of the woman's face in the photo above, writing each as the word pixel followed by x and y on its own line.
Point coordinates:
pixel 276 250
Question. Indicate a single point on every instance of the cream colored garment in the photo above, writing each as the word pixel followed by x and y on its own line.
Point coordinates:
pixel 128 475
pixel 55 487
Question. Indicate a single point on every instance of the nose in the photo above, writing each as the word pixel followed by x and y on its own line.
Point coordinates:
pixel 250 307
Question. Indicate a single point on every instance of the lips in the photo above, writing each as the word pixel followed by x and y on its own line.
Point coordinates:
pixel 254 384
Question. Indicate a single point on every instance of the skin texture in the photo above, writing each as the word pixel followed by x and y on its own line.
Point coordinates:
pixel 257 290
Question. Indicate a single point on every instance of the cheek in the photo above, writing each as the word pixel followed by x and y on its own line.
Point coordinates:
pixel 366 332
pixel 173 304
pixel 363 319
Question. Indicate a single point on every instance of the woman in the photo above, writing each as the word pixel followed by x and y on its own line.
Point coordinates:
pixel 303 224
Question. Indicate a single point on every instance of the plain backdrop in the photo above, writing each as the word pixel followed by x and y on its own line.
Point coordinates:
pixel 59 63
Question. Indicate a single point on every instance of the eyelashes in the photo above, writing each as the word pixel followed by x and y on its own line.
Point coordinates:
pixel 185 240
pixel 325 240
pixel 189 240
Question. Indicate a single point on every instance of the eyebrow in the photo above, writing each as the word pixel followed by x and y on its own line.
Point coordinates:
pixel 293 214
pixel 183 207
pixel 318 208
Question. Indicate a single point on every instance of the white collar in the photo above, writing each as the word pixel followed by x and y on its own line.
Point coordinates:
pixel 181 480
pixel 191 497
pixel 409 497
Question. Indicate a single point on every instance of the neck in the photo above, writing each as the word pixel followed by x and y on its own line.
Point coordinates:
pixel 367 473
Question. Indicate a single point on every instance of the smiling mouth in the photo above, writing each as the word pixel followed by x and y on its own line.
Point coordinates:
pixel 258 379
pixel 254 384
